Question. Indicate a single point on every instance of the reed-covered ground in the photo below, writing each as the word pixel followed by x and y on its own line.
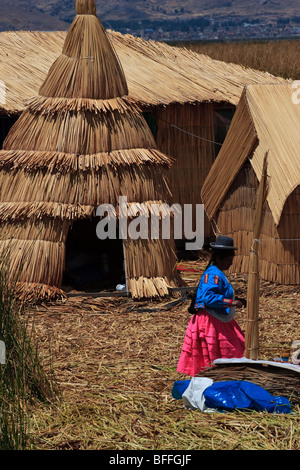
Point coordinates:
pixel 278 57
pixel 115 364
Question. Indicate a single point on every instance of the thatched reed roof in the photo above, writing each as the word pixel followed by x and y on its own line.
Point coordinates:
pixel 266 119
pixel 156 73
pixel 80 143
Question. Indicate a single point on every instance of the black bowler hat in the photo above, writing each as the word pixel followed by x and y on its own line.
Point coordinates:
pixel 223 243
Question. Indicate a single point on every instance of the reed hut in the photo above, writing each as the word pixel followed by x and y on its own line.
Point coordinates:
pixel 188 99
pixel 81 142
pixel 267 119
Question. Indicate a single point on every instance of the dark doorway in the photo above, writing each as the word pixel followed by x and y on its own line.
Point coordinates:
pixel 92 264
pixel 6 122
pixel 222 118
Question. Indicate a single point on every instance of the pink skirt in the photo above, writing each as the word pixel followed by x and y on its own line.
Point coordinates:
pixel 207 339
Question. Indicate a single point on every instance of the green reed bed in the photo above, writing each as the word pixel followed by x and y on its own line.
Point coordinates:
pixel 22 377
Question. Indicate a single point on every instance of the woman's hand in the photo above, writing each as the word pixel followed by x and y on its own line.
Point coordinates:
pixel 237 304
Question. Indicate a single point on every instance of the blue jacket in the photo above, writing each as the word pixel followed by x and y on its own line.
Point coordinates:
pixel 214 291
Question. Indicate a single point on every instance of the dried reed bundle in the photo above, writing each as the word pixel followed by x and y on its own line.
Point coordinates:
pixel 87 133
pixel 54 230
pixel 94 188
pixel 85 7
pixel 34 261
pixel 85 70
pixel 40 210
pixel 32 161
pixel 54 104
pixel 144 257
pixel 29 292
pixel 252 328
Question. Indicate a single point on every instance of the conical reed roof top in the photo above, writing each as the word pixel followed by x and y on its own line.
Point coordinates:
pixel 85 7
pixel 88 66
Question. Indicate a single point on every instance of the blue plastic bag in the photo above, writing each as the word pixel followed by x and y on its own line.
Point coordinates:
pixel 232 395
pixel 179 388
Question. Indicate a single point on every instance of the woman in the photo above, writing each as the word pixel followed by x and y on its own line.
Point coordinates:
pixel 212 332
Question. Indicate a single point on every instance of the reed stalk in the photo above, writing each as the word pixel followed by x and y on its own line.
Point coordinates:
pixel 252 325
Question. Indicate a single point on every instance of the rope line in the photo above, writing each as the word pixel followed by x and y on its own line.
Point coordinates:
pixel 189 133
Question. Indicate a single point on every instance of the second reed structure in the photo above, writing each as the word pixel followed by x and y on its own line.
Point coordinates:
pixel 267 120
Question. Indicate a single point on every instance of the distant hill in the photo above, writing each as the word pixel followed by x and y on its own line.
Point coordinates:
pixel 187 9
pixel 25 15
pixel 58 14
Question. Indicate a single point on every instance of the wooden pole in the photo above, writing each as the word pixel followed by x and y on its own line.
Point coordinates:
pixel 252 327
pixel 125 268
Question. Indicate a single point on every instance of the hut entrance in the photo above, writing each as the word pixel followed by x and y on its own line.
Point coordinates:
pixel 92 264
pixel 6 122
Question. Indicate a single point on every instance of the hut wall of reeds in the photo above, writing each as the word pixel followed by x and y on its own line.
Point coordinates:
pixel 80 143
pixel 266 120
pixel 187 133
